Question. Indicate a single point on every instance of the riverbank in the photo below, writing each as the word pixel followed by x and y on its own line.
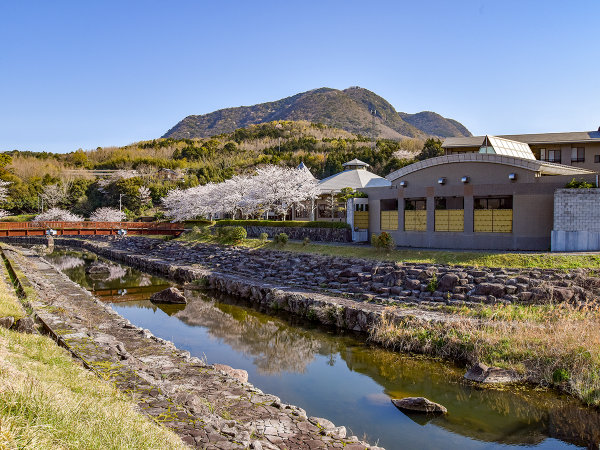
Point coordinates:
pixel 521 260
pixel 537 322
pixel 206 407
pixel 47 400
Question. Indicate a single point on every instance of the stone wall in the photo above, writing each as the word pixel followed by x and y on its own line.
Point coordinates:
pixel 299 233
pixel 576 220
pixel 355 283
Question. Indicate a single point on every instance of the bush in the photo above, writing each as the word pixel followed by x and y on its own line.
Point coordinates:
pixel 282 223
pixel 305 241
pixel 229 235
pixel 579 184
pixel 384 241
pixel 263 237
pixel 281 239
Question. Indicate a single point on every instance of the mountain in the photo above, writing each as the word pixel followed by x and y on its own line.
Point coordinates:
pixel 355 109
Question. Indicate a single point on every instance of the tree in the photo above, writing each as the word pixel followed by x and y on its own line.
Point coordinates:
pixel 55 194
pixel 3 196
pixel 431 149
pixel 144 196
pixel 59 215
pixel 106 214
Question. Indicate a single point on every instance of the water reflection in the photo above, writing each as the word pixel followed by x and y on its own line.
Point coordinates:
pixel 337 375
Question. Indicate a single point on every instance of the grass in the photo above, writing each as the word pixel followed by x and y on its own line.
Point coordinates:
pixel 476 259
pixel 19 218
pixel 48 401
pixel 560 348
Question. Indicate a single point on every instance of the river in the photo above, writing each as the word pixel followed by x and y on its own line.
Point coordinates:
pixel 337 375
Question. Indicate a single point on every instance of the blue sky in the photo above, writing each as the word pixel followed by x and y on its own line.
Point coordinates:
pixel 83 74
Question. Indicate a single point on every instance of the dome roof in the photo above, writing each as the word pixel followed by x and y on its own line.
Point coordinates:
pixel 355 179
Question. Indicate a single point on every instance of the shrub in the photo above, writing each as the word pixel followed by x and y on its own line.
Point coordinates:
pixel 263 237
pixel 229 235
pixel 305 241
pixel 281 239
pixel 384 241
pixel 433 284
pixel 579 184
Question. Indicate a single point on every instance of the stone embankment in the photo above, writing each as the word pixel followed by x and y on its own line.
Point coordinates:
pixel 206 406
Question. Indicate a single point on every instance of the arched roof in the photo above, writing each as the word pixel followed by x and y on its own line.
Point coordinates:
pixel 544 168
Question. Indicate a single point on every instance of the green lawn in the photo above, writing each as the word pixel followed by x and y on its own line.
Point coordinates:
pixel 477 259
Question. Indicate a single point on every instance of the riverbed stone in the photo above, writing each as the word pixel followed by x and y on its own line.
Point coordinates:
pixel 169 295
pixel 481 373
pixel 419 405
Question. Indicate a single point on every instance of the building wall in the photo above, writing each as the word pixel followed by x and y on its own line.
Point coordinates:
pixel 576 220
pixel 533 204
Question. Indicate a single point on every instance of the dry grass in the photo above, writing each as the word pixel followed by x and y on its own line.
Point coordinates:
pixel 47 401
pixel 560 348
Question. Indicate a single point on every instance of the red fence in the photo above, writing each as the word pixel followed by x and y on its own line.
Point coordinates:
pixel 89 228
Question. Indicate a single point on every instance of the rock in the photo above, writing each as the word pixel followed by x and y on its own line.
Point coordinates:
pixel 322 423
pixel 7 322
pixel 427 273
pixel 481 373
pixel 495 289
pixel 448 282
pixel 169 295
pixel 562 294
pixel 98 268
pixel 24 325
pixel 412 284
pixel 238 374
pixel 419 404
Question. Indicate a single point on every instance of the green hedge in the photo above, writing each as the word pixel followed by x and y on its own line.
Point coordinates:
pixel 198 223
pixel 281 223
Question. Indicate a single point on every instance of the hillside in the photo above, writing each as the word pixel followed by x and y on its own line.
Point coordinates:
pixel 355 110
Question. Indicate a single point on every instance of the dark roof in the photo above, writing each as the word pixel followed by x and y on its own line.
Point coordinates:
pixel 538 138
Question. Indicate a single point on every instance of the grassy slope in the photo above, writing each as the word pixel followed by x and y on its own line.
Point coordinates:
pixel 48 401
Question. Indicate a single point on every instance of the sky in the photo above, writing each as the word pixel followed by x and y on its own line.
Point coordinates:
pixel 84 74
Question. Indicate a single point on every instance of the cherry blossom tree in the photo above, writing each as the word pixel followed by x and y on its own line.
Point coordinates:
pixel 55 194
pixel 271 188
pixel 58 215
pixel 3 196
pixel 107 215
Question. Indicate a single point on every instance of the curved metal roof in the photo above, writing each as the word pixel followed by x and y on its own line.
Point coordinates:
pixel 544 168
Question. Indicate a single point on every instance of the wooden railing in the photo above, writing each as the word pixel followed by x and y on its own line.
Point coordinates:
pixel 89 228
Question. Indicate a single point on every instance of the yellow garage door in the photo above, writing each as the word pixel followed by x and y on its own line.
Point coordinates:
pixel 450 220
pixel 415 220
pixel 492 220
pixel 361 220
pixel 389 220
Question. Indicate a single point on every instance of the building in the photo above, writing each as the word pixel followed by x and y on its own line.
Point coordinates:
pixel 487 192
pixel 579 149
pixel 355 176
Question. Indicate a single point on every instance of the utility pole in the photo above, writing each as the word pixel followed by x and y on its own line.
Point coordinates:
pixel 120 202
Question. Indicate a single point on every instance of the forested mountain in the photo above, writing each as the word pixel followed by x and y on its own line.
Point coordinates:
pixel 145 171
pixel 355 110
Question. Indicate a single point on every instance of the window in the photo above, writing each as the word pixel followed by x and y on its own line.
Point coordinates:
pixel 597 158
pixel 416 204
pixel 442 203
pixel 361 207
pixel 493 203
pixel 578 154
pixel 550 155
